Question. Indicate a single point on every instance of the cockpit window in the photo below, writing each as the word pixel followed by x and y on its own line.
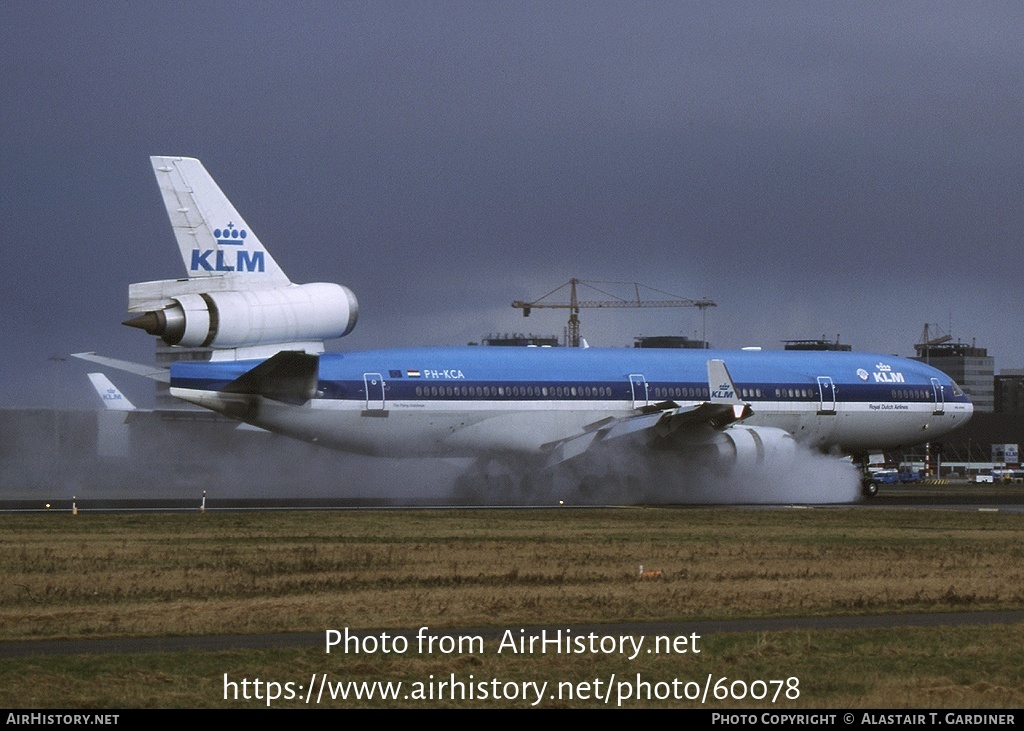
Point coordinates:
pixel 957 391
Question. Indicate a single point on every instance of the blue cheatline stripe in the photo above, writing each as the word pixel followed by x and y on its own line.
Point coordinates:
pixel 505 390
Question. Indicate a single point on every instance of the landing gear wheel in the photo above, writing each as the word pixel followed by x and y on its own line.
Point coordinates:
pixel 869 487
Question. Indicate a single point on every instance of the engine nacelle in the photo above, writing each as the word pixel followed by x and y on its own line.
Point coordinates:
pixel 748 447
pixel 239 318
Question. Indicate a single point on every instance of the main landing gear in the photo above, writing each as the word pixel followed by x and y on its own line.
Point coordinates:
pixel 868 486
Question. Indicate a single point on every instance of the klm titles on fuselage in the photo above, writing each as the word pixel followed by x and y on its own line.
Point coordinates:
pixel 883 374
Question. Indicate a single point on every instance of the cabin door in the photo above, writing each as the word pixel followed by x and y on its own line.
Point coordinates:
pixel 639 387
pixel 940 400
pixel 374 383
pixel 827 392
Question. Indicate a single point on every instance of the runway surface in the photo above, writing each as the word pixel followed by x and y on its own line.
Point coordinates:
pixel 952 496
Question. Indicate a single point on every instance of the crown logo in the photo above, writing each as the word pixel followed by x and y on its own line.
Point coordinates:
pixel 883 367
pixel 230 236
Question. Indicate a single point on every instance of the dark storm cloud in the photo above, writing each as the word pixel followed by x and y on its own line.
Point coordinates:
pixel 816 168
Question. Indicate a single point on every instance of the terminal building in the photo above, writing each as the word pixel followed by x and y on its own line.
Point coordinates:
pixel 1009 391
pixel 822 344
pixel 669 341
pixel 520 340
pixel 970 366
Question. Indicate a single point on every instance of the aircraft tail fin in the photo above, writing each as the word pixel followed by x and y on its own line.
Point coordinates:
pixel 112 397
pixel 236 299
pixel 214 239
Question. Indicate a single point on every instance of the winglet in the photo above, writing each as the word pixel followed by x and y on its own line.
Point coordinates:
pixel 113 399
pixel 720 385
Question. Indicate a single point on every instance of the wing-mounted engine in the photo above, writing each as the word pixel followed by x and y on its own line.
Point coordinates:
pixel 749 447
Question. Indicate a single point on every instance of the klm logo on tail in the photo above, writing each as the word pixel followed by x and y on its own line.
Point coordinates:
pixel 112 394
pixel 230 236
pixel 243 261
pixel 724 391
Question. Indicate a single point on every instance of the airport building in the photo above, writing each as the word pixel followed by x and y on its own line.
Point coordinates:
pixel 1009 391
pixel 520 340
pixel 822 344
pixel 970 366
pixel 669 341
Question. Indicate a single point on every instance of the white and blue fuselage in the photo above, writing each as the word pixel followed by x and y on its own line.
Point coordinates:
pixel 468 401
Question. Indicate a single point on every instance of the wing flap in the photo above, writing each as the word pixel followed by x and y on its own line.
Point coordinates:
pixel 662 420
pixel 658 425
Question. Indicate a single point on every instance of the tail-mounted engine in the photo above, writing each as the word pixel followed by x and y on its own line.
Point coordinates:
pixel 242 318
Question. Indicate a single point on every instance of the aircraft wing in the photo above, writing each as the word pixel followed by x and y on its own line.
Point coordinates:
pixel 668 419
pixel 661 420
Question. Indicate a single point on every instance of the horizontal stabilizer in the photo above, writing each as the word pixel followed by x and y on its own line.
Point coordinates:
pixel 139 369
pixel 290 377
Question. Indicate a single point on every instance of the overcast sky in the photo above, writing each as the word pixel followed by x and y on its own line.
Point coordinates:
pixel 816 168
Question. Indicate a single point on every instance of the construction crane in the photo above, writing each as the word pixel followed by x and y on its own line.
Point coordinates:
pixel 575 304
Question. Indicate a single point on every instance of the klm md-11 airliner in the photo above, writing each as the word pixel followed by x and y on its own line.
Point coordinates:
pixel 535 408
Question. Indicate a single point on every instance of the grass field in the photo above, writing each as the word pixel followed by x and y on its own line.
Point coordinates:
pixel 101 575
